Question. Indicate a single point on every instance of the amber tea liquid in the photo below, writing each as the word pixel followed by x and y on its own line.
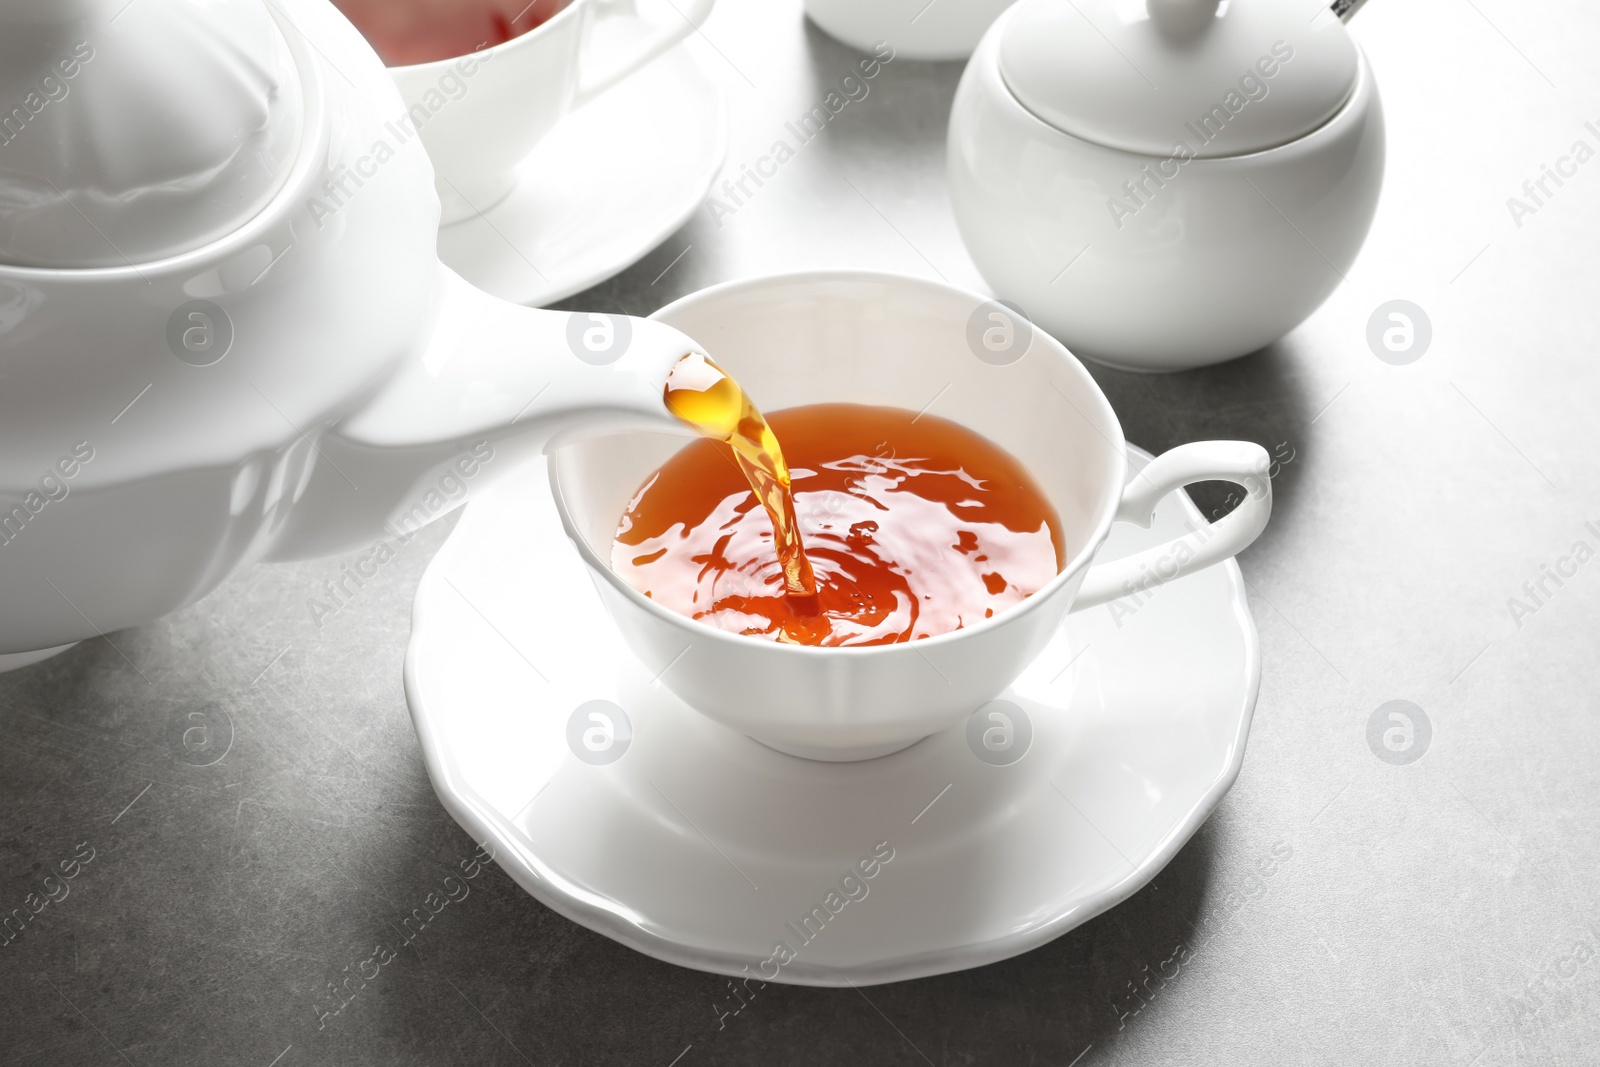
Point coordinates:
pixel 870 525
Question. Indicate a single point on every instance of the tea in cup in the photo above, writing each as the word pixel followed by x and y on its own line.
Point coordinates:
pixel 412 32
pixel 836 524
pixel 916 348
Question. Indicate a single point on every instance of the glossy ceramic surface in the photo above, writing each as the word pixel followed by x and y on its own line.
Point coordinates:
pixel 481 115
pixel 1159 262
pixel 290 389
pixel 103 164
pixel 1130 74
pixel 890 339
pixel 915 29
pixel 698 846
pixel 582 209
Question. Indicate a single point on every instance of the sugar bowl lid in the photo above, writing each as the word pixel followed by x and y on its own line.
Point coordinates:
pixel 130 132
pixel 1222 77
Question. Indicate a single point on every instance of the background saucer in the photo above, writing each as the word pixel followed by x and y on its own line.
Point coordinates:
pixel 697 845
pixel 611 182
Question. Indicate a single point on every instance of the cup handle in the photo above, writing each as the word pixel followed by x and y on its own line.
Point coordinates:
pixel 1242 462
pixel 659 37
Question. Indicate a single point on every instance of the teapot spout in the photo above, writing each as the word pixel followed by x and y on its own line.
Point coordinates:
pixel 496 384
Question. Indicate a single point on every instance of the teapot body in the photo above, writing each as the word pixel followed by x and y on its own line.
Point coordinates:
pixel 1165 262
pixel 158 419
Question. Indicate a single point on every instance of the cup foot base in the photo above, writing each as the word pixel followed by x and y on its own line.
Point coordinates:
pixel 13 661
pixel 837 755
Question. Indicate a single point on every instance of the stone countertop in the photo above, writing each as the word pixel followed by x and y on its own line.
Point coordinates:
pixel 1441 911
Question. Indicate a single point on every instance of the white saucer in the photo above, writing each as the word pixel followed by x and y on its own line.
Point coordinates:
pixel 609 184
pixel 697 846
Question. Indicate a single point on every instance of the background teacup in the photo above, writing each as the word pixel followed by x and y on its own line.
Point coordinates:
pixel 874 338
pixel 915 29
pixel 480 113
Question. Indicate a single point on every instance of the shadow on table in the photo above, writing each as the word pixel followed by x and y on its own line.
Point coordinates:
pixel 87 687
pixel 916 94
pixel 561 993
pixel 1051 1004
pixel 1258 397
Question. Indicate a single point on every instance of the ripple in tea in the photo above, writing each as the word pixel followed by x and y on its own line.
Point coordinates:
pixel 904 525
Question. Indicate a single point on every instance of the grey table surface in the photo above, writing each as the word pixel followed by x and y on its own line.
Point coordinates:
pixel 1441 911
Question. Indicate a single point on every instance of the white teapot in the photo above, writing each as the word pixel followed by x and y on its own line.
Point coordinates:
pixel 225 335
pixel 1163 184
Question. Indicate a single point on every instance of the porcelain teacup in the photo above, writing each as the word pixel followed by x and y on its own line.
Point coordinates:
pixel 888 339
pixel 480 114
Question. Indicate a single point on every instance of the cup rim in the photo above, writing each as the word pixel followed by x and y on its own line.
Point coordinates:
pixel 432 64
pixel 1015 613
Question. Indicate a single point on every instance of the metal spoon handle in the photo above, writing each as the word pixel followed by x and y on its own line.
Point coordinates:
pixel 1346 9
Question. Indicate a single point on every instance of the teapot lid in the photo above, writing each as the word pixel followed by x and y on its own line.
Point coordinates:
pixel 131 132
pixel 1222 77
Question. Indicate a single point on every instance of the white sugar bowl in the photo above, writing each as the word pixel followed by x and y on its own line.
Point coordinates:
pixel 1165 184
